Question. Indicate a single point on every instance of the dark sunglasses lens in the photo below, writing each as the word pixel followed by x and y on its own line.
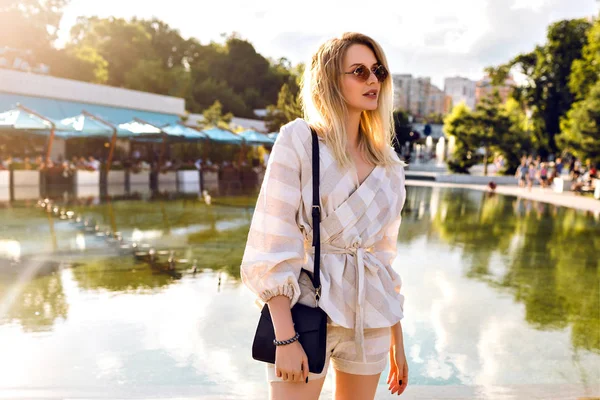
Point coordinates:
pixel 381 73
pixel 362 72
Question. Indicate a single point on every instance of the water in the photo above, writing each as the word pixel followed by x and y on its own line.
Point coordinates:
pixel 502 300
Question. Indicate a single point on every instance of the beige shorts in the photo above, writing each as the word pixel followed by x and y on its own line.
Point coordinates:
pixel 341 352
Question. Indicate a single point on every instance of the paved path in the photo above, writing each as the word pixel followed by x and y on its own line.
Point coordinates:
pixel 566 199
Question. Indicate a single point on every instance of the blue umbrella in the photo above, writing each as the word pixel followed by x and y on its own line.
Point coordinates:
pixel 254 137
pixel 184 132
pixel 82 126
pixel 136 128
pixel 22 120
pixel 222 136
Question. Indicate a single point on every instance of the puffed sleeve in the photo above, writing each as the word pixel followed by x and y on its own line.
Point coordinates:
pixel 274 253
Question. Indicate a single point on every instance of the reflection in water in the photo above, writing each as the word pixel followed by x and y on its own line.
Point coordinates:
pixel 38 304
pixel 499 291
pixel 545 256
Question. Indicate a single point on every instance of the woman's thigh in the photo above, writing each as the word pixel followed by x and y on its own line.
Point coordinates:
pixel 355 387
pixel 296 391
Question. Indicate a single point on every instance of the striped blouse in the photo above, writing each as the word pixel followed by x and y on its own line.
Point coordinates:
pixel 359 232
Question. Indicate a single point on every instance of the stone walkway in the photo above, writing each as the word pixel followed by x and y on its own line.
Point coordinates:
pixel 566 199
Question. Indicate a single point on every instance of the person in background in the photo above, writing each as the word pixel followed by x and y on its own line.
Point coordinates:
pixel 7 162
pixel 531 173
pixel 93 164
pixel 543 175
pixel 522 173
pixel 39 163
pixel 558 167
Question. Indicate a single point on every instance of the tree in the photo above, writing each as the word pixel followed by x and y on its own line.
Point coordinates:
pixel 213 117
pixel 30 25
pixel 585 71
pixel 461 125
pixel 581 127
pixel 121 43
pixel 403 128
pixel 491 127
pixel 287 109
pixel 515 142
pixel 548 69
pixel 206 91
pixel 434 118
pixel 85 64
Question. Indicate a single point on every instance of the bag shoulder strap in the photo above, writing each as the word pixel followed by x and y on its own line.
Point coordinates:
pixel 316 214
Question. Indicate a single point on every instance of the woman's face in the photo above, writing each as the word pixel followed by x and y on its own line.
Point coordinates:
pixel 360 95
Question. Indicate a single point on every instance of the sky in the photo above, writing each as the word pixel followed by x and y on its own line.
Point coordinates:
pixel 425 38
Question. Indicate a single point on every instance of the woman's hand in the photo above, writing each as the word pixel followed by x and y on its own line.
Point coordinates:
pixel 291 363
pixel 398 377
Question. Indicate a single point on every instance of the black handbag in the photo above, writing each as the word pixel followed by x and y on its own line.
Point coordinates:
pixel 310 323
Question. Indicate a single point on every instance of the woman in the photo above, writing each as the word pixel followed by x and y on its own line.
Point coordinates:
pixel 347 99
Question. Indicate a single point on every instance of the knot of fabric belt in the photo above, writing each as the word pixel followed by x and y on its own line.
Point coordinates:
pixel 358 251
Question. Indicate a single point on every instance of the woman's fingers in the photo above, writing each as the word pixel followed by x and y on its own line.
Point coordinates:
pixel 305 369
pixel 392 366
pixel 391 380
pixel 294 376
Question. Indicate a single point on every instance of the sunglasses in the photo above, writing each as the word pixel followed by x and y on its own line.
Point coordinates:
pixel 363 73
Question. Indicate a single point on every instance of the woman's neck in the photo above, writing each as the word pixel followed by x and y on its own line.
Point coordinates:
pixel 352 126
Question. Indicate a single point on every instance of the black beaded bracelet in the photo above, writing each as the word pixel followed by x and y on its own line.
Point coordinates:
pixel 284 342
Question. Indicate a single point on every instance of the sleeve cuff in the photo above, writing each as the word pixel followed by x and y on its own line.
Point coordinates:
pixel 286 290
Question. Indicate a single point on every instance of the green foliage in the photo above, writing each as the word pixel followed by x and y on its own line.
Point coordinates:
pixel 548 70
pixel 492 126
pixel 213 116
pixel 87 64
pixel 515 141
pixel 434 118
pixel 585 71
pixel 287 109
pixel 402 127
pixel 149 55
pixel 460 124
pixel 581 127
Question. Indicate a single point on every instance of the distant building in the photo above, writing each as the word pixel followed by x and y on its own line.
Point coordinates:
pixel 401 90
pixel 447 103
pixel 412 94
pixel 461 90
pixel 484 88
pixel 436 101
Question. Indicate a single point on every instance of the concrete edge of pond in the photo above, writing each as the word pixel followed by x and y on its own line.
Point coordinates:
pixel 547 195
pixel 413 392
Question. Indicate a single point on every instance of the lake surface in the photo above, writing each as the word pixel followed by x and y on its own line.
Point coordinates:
pixel 502 299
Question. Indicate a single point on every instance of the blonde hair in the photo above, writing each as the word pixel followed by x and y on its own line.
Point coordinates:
pixel 325 108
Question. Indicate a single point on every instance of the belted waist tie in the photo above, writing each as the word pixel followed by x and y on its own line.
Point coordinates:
pixel 358 252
